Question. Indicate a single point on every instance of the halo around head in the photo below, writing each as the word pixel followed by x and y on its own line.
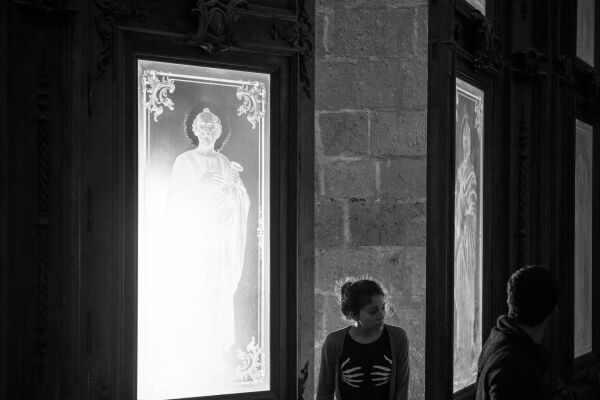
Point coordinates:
pixel 206 115
pixel 193 112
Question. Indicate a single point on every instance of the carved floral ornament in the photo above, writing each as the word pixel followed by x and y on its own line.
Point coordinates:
pixel 487 51
pixel 156 87
pixel 156 91
pixel 216 20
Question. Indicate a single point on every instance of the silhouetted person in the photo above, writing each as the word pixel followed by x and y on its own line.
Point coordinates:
pixel 513 361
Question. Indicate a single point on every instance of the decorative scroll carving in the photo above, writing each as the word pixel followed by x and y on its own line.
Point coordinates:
pixel 253 96
pixel 155 91
pixel 528 62
pixel 487 52
pixel 523 185
pixel 112 12
pixel 216 20
pixel 564 68
pixel 296 35
pixel 251 368
pixel 43 132
pixel 302 381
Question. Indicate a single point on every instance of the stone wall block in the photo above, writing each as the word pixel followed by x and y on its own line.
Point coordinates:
pixel 404 178
pixel 344 133
pixel 416 261
pixel 321 22
pixel 399 133
pixel 385 264
pixel 359 84
pixel 379 32
pixel 422 40
pixel 335 320
pixel 345 179
pixel 328 223
pixel 320 316
pixel 387 223
pixel 414 85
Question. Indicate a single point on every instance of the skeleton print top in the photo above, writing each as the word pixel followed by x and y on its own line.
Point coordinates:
pixel 365 369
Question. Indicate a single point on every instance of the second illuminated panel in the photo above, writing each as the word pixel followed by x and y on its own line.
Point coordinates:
pixel 467 233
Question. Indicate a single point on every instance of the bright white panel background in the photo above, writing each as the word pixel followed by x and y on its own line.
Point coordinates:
pixel 203 237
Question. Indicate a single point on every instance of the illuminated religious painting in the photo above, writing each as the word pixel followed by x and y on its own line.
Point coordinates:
pixel 585 30
pixel 203 237
pixel 467 233
pixel 478 4
pixel 583 239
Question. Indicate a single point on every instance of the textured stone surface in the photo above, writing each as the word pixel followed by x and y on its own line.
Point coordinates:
pixel 404 178
pixel 344 133
pixel 375 223
pixel 328 223
pixel 389 264
pixel 345 179
pixel 422 14
pixel 321 25
pixel 399 133
pixel 358 85
pixel 372 32
pixel 414 84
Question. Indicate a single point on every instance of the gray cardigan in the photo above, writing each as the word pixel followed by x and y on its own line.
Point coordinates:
pixel 332 350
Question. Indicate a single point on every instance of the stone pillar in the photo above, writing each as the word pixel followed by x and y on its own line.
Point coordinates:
pixel 371 163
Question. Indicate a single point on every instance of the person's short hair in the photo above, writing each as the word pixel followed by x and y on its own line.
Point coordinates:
pixel 532 294
pixel 356 294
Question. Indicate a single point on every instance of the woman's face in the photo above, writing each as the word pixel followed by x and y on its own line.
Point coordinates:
pixel 372 315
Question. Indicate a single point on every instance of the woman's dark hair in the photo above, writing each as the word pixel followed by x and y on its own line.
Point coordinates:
pixel 355 294
pixel 532 293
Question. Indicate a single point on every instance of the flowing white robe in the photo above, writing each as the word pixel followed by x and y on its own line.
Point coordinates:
pixel 465 271
pixel 207 223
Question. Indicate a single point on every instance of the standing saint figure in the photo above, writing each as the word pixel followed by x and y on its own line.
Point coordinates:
pixel 207 226
pixel 465 260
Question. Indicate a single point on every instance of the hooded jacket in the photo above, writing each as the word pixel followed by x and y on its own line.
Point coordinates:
pixel 511 365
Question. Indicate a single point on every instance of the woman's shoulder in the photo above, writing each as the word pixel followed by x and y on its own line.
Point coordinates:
pixel 395 332
pixel 336 336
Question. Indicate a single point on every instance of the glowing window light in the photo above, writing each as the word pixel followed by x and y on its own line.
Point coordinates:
pixel 468 213
pixel 203 238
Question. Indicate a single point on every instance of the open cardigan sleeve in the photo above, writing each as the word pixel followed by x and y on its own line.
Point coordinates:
pixel 326 385
pixel 402 367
